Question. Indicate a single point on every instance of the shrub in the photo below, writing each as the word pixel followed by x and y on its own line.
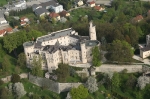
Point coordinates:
pixel 15 78
pixel 1 82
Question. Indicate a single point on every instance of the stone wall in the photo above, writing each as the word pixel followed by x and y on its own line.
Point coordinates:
pixel 8 78
pixel 67 86
pixel 118 68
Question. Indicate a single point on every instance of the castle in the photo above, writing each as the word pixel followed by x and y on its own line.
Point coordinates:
pixel 64 46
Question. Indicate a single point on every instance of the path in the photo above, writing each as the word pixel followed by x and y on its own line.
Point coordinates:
pixel 145 61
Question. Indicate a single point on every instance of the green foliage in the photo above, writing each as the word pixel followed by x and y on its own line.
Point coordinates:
pixel 37 66
pixel 116 80
pixel 79 93
pixel 21 60
pixel 120 51
pixel 62 72
pixel 5 94
pixel 6 64
pixel 96 56
pixel 15 78
pixel 19 38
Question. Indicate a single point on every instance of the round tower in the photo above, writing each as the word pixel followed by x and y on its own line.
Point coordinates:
pixel 83 53
pixel 92 31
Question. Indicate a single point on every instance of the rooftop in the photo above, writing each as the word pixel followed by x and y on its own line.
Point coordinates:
pixel 55 35
pixel 40 11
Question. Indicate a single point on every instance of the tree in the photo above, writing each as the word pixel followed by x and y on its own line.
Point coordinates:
pixel 120 51
pixel 21 60
pixel 6 64
pixel 96 56
pixel 79 93
pixel 91 84
pixel 18 89
pixel 62 72
pixel 116 80
pixel 15 78
pixel 37 66
pixel 5 94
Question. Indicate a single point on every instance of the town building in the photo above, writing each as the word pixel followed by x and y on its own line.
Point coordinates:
pixel 41 12
pixel 64 46
pixel 79 2
pixel 145 51
pixel 20 4
pixel 55 16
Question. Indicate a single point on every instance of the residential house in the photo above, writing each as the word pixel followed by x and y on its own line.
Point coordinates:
pixel 21 3
pixel 22 23
pixel 9 30
pixel 99 8
pixel 35 6
pixel 137 18
pixel 79 2
pixel 91 3
pixel 25 19
pixel 2 20
pixel 64 14
pixel 2 32
pixel 57 8
pixel 41 12
pixel 55 16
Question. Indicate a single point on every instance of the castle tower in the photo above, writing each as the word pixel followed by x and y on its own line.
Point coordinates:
pixel 92 31
pixel 83 53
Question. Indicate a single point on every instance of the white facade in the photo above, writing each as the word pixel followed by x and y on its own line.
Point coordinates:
pixel 2 21
pixel 64 46
pixel 58 8
pixel 20 4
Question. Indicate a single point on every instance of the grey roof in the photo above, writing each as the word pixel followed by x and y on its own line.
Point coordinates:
pixel 35 5
pixel 56 35
pixel 49 3
pixel 145 49
pixel 37 44
pixel 39 11
pixel 54 48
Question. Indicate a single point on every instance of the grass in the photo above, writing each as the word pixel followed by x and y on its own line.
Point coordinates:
pixel 74 79
pixel 29 87
pixel 3 2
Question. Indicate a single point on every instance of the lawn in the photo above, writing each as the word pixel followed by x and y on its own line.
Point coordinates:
pixel 31 88
pixel 3 2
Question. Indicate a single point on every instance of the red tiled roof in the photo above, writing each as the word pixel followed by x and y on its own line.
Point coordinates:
pixel 23 22
pixel 53 15
pixel 97 7
pixel 2 31
pixel 23 18
pixel 9 29
pixel 63 13
pixel 139 17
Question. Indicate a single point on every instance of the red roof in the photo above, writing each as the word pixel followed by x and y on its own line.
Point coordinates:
pixel 23 18
pixel 2 32
pixel 92 2
pixel 97 7
pixel 9 29
pixel 23 22
pixel 139 17
pixel 63 13
pixel 53 15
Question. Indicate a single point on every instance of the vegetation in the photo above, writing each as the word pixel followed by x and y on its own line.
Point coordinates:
pixel 120 51
pixel 15 78
pixel 96 56
pixel 79 93
pixel 62 72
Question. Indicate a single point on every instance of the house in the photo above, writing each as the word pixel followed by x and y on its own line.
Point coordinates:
pixel 2 32
pixel 2 20
pixel 57 8
pixel 91 3
pixel 63 46
pixel 64 14
pixel 35 6
pixel 79 2
pixel 99 8
pixel 41 12
pixel 9 30
pixel 21 3
pixel 22 23
pixel 54 15
pixel 145 51
pixel 137 18
pixel 25 19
